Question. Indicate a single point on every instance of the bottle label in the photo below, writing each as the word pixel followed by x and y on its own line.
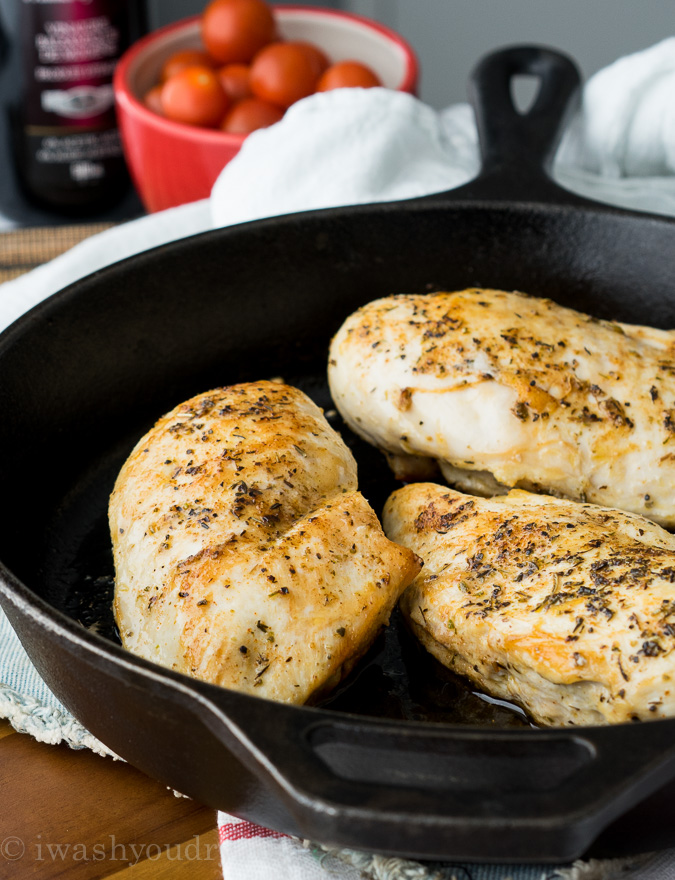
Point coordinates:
pixel 70 49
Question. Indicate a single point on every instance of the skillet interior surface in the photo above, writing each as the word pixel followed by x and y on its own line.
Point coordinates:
pixel 87 372
pixel 185 337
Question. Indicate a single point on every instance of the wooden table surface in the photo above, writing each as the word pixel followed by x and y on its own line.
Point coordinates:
pixel 70 813
pixel 74 815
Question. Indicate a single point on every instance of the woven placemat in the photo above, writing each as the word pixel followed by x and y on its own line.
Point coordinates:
pixel 23 249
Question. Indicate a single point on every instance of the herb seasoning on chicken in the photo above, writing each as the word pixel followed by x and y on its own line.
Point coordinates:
pixel 506 390
pixel 244 554
pixel 565 608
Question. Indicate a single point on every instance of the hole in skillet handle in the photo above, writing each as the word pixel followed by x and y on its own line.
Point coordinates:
pixel 524 90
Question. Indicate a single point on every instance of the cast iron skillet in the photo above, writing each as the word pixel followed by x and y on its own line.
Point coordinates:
pixel 85 373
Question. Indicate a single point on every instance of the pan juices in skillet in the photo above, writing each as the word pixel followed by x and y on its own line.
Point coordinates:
pixel 565 608
pixel 504 390
pixel 244 554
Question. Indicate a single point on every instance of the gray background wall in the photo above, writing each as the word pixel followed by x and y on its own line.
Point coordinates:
pixel 451 35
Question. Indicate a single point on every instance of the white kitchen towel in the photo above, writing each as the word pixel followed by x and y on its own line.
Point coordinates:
pixel 350 147
pixel 626 127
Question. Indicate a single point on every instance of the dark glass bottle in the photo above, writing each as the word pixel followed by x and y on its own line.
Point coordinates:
pixel 66 144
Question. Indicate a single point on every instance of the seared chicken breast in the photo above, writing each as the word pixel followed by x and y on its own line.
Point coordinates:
pixel 506 390
pixel 244 554
pixel 567 609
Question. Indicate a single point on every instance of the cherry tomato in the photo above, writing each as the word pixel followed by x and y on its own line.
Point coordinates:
pixel 347 74
pixel 195 96
pixel 184 58
pixel 282 73
pixel 234 30
pixel 250 114
pixel 153 100
pixel 316 56
pixel 234 78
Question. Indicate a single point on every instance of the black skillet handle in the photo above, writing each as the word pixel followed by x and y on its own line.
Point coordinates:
pixel 478 794
pixel 518 148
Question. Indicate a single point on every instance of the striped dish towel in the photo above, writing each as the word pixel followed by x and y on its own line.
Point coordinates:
pixel 249 851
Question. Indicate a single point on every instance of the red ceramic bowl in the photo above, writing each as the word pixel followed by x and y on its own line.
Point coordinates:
pixel 172 163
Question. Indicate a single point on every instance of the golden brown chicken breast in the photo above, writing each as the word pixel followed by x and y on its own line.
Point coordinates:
pixel 504 390
pixel 244 554
pixel 567 609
